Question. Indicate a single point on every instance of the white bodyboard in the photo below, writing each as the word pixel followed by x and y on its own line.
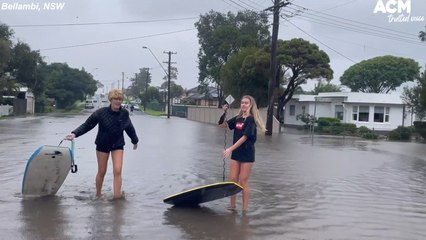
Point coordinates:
pixel 46 171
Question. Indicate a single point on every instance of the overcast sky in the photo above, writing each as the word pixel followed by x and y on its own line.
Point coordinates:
pixel 347 30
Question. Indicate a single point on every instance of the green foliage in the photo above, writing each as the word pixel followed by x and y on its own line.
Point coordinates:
pixel 306 118
pixel 415 96
pixel 247 72
pixel 380 74
pixel 422 35
pixel 139 83
pixel 366 133
pixel 370 135
pixel 222 35
pixel 300 60
pixel 400 133
pixel 328 87
pixel 327 121
pixel 175 90
pixel 152 95
pixel 420 127
pixel 67 85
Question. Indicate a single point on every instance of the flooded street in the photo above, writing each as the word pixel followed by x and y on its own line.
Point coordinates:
pixel 302 188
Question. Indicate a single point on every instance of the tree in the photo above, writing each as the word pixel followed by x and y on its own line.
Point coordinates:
pixel 422 35
pixel 175 90
pixel 24 67
pixel 153 95
pixel 7 82
pixel 246 72
pixel 140 83
pixel 415 97
pixel 298 61
pixel 221 36
pixel 328 87
pixel 380 74
pixel 67 85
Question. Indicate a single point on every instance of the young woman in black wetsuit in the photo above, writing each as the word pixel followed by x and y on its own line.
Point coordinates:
pixel 112 121
pixel 245 126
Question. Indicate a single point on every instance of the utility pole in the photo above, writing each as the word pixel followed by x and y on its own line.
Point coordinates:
pixel 122 82
pixel 278 4
pixel 168 81
pixel 146 89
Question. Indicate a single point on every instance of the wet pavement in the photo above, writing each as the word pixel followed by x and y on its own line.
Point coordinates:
pixel 302 188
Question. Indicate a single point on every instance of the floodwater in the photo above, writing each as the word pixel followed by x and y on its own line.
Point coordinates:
pixel 302 188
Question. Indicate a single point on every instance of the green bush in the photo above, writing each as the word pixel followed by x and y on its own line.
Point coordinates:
pixel 400 133
pixel 325 122
pixel 363 130
pixel 420 127
pixel 370 135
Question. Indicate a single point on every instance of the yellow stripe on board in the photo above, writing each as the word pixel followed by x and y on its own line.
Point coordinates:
pixel 205 186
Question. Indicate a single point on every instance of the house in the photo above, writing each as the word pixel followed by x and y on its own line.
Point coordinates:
pixel 381 112
pixel 24 102
pixel 196 96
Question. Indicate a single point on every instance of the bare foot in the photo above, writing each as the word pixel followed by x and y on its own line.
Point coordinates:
pixel 121 196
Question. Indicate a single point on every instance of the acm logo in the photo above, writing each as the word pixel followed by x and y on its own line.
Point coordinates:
pixel 393 6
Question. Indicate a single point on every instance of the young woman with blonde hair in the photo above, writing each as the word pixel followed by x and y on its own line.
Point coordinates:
pixel 242 152
pixel 112 122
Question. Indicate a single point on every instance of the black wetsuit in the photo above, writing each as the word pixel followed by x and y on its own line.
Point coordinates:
pixel 243 126
pixel 111 127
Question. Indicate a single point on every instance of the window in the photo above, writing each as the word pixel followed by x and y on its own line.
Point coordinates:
pixel 303 109
pixel 338 112
pixel 361 113
pixel 381 114
pixel 292 110
pixel 355 113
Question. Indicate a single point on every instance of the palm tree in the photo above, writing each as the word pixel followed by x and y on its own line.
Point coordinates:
pixel 422 35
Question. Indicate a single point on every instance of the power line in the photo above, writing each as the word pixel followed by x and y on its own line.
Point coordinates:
pixel 344 20
pixel 117 40
pixel 99 23
pixel 316 39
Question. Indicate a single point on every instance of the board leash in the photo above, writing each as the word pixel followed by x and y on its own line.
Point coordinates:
pixel 74 168
pixel 224 148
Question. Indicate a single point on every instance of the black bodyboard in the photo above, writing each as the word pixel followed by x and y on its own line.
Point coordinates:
pixel 206 193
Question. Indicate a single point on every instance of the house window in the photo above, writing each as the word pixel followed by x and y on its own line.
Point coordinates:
pixel 303 109
pixel 381 114
pixel 355 113
pixel 338 112
pixel 292 110
pixel 361 113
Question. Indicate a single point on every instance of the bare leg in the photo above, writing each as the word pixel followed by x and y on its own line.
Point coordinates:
pixel 245 170
pixel 117 164
pixel 102 168
pixel 233 177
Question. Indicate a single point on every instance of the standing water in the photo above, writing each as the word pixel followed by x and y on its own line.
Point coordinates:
pixel 302 188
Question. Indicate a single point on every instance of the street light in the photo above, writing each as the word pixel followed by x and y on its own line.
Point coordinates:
pixel 159 63
pixel 168 77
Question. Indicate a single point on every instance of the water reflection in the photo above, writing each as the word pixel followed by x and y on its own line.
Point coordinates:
pixel 331 188
pixel 107 219
pixel 206 223
pixel 43 218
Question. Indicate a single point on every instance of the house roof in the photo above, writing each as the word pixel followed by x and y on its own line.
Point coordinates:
pixel 353 97
pixel 194 93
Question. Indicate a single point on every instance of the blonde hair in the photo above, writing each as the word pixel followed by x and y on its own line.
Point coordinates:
pixel 115 93
pixel 254 111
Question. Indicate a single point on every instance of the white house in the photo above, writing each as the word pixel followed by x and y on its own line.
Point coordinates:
pixel 381 112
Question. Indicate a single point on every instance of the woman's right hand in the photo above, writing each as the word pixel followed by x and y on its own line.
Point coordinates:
pixel 70 137
pixel 225 107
